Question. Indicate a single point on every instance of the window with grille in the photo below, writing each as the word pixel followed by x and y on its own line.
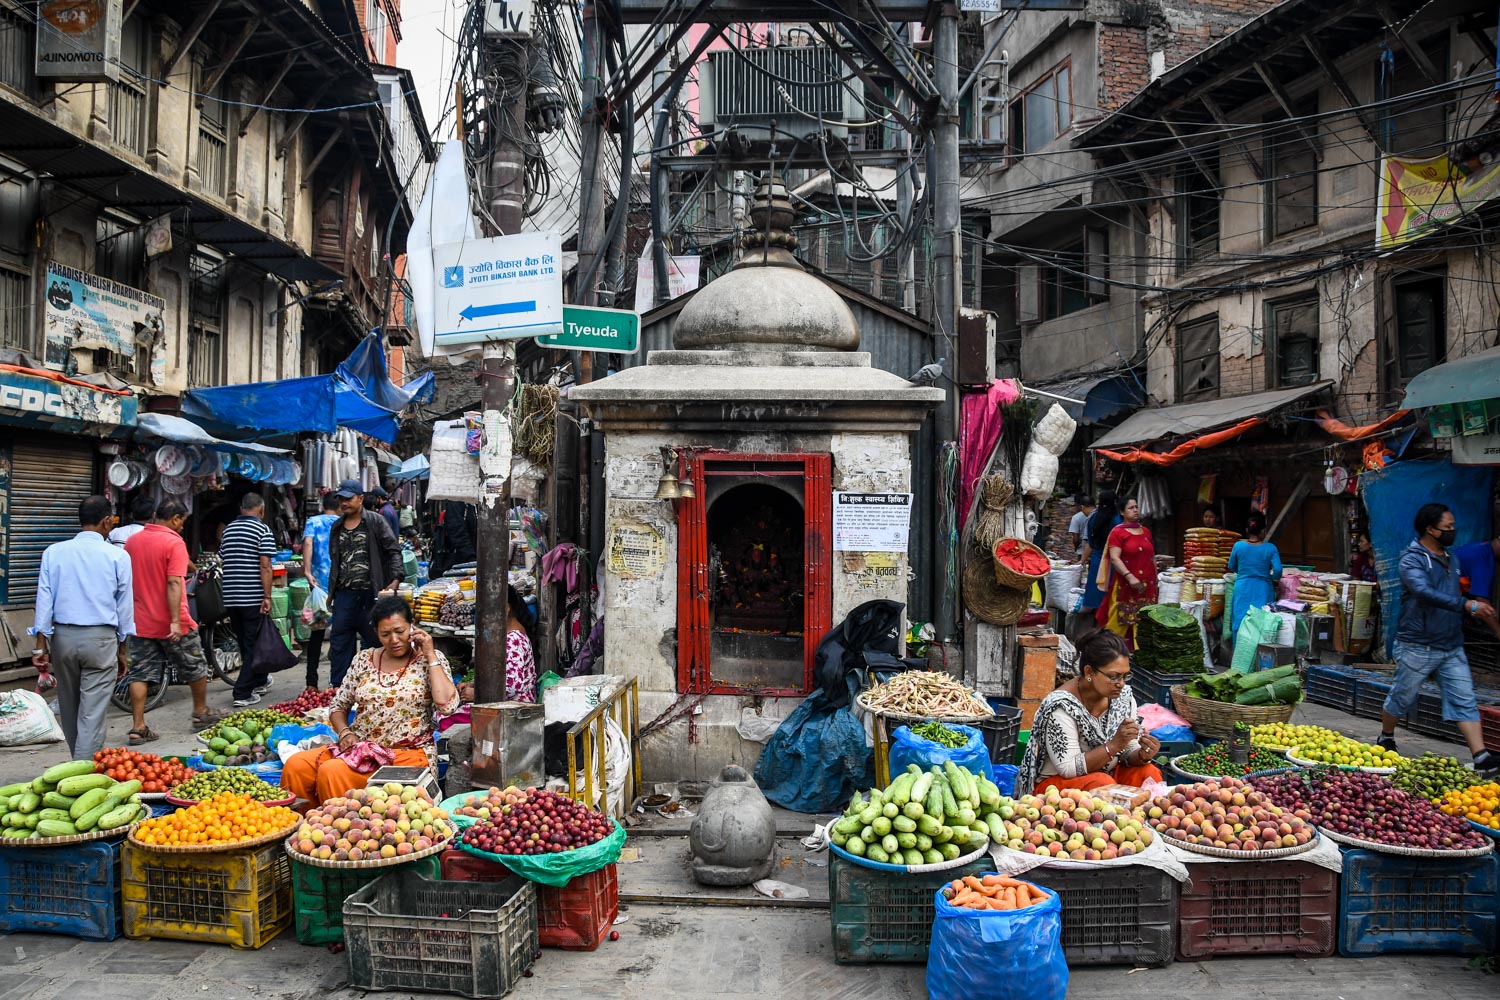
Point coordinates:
pixel 127 96
pixel 1197 210
pixel 17 50
pixel 1292 174
pixel 17 219
pixel 1198 360
pixel 120 255
pixel 1420 332
pixel 213 142
pixel 1292 340
pixel 206 321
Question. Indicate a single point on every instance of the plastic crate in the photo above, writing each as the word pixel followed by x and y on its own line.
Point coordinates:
pixel 1153 687
pixel 1489 721
pixel 239 898
pixel 1001 732
pixel 406 932
pixel 1370 691
pixel 318 895
pixel 1393 903
pixel 1327 684
pixel 72 890
pixel 885 916
pixel 1262 908
pixel 1123 915
pixel 574 917
pixel 1427 717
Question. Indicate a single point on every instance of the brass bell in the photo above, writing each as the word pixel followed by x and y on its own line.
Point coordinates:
pixel 685 489
pixel 666 487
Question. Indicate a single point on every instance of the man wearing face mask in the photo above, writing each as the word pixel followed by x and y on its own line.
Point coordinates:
pixel 1430 635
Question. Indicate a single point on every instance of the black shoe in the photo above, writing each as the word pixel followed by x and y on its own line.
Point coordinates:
pixel 1487 763
pixel 1387 742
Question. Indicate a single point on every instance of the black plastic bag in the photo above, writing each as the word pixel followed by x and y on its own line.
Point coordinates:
pixel 271 652
pixel 873 627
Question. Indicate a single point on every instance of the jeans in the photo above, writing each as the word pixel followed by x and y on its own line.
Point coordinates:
pixel 313 647
pixel 1450 667
pixel 85 661
pixel 348 629
pixel 246 625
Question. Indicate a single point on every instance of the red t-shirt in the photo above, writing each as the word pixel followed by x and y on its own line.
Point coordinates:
pixel 156 553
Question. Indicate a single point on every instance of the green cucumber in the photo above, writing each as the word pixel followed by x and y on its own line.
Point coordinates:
pixel 120 816
pixel 59 814
pixel 73 768
pixel 81 783
pixel 55 828
pixel 16 789
pixel 122 791
pixel 89 800
pixel 57 800
pixel 30 803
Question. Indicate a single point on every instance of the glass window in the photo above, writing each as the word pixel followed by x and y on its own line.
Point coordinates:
pixel 1198 360
pixel 1043 112
pixel 1292 175
pixel 1197 210
pixel 1078 277
pixel 1419 325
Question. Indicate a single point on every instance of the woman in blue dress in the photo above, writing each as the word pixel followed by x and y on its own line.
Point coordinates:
pixel 1256 566
pixel 1096 536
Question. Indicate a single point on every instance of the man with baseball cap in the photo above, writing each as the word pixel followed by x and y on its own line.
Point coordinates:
pixel 381 501
pixel 364 560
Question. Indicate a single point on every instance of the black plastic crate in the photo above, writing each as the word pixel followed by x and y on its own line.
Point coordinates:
pixel 1393 903
pixel 1370 692
pixel 1427 717
pixel 1123 915
pixel 1001 733
pixel 1153 687
pixel 880 916
pixel 1327 684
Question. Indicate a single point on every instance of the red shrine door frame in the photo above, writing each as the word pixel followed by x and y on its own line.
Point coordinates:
pixel 694 585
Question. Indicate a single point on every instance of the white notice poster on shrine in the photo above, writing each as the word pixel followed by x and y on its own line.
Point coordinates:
pixel 871 522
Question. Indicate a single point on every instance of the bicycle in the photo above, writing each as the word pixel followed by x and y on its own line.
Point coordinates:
pixel 220 647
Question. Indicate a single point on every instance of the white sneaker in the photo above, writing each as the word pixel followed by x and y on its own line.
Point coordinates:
pixel 254 699
pixel 262 689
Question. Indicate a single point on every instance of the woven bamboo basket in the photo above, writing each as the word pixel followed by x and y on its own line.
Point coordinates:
pixel 1008 577
pixel 987 600
pixel 1217 718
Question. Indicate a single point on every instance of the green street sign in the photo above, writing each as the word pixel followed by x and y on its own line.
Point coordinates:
pixel 610 331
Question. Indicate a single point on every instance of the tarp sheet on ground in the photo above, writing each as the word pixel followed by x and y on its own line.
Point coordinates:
pixel 358 395
pixel 1392 496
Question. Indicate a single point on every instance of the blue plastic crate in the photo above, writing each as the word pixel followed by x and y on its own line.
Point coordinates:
pixel 72 890
pixel 1390 903
pixel 1330 685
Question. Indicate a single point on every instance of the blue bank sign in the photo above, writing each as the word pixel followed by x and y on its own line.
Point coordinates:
pixel 36 401
pixel 502 288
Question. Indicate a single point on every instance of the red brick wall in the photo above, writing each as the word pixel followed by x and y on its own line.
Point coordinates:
pixel 1197 24
pixel 1124 64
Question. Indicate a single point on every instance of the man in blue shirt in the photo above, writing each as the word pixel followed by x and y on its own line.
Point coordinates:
pixel 1430 635
pixel 1476 570
pixel 315 563
pixel 85 609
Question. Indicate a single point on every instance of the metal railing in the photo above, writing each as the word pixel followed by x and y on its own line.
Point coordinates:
pixel 127 116
pixel 588 782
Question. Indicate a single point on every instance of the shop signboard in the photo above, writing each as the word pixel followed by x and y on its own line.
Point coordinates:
pixel 42 402
pixel 607 331
pixel 871 522
pixel 78 41
pixel 1421 196
pixel 502 288
pixel 1476 449
pixel 93 313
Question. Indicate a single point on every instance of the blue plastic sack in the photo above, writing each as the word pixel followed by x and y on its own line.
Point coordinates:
pixel 295 733
pixel 1004 777
pixel 816 758
pixel 1175 734
pixel 269 771
pixel 909 748
pixel 997 954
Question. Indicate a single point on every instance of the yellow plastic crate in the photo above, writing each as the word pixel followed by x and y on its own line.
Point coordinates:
pixel 238 898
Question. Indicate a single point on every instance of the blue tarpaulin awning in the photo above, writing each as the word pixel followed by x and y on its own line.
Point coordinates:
pixel 358 395
pixel 1459 381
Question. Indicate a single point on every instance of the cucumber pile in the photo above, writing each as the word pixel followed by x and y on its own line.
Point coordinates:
pixel 922 818
pixel 67 800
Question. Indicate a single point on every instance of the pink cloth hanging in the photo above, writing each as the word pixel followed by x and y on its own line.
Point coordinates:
pixel 979 432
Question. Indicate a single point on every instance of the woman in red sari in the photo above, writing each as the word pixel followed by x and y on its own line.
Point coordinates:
pixel 1131 560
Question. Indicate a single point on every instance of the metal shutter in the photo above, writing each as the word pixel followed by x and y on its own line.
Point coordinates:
pixel 50 476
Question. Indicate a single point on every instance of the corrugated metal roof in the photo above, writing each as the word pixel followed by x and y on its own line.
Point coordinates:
pixel 1195 418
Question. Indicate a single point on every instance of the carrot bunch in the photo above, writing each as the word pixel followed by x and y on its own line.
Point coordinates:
pixel 993 892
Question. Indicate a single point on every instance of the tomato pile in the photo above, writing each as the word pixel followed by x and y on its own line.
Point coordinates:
pixel 154 774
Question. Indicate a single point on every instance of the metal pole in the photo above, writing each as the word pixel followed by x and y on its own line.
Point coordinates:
pixel 590 191
pixel 497 374
pixel 946 271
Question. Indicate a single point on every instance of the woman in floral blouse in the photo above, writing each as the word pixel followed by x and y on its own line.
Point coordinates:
pixel 395 689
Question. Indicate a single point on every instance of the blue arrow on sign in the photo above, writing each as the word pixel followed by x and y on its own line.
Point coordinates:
pixel 472 312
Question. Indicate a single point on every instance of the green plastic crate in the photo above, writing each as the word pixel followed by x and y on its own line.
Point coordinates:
pixel 885 916
pixel 318 895
pixel 1022 738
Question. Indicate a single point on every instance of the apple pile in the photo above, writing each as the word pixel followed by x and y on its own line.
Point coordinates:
pixel 1228 814
pixel 1368 807
pixel 532 821
pixel 383 821
pixel 1071 824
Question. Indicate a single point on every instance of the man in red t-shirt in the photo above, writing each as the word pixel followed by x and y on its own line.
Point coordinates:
pixel 164 631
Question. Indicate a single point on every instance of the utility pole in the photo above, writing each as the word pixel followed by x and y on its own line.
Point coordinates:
pixel 505 190
pixel 947 270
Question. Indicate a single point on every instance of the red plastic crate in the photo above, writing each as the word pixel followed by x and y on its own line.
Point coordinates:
pixel 1263 908
pixel 576 917
pixel 1489 721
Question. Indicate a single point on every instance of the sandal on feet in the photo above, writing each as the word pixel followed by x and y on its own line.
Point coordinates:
pixel 145 734
pixel 208 717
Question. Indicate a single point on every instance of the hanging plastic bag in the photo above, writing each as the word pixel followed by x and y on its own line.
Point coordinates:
pixel 997 954
pixel 1258 626
pixel 909 748
pixel 559 869
pixel 315 608
pixel 25 717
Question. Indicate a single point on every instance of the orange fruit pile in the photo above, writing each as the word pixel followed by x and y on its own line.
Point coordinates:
pixel 1480 804
pixel 227 818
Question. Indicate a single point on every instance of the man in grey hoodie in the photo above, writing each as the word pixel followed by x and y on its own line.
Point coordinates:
pixel 1430 635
